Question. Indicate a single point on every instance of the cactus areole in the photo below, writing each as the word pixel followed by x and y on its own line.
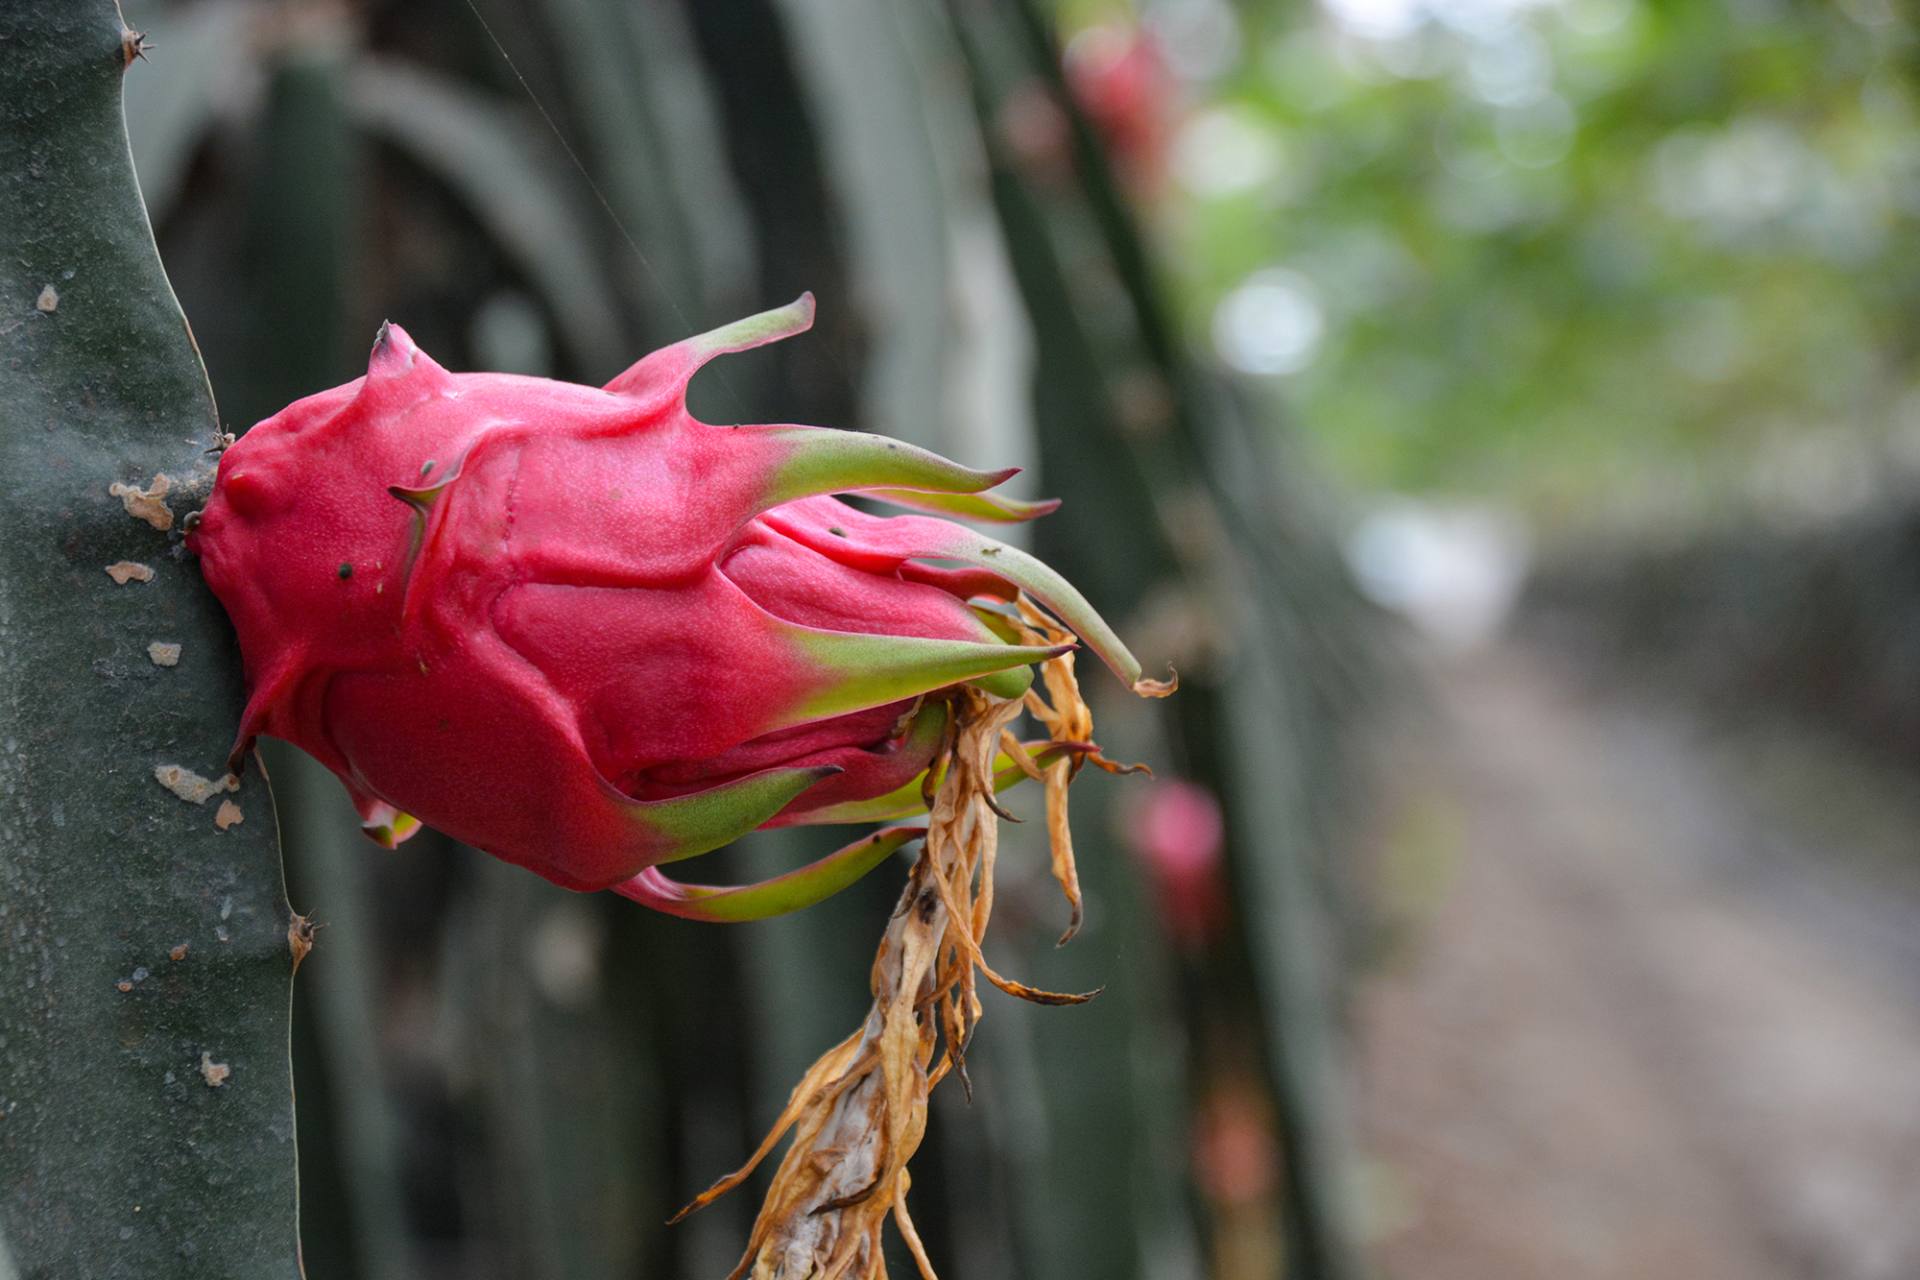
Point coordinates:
pixel 584 632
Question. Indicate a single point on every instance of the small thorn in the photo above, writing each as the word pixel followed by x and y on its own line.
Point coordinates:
pixel 300 937
pixel 134 44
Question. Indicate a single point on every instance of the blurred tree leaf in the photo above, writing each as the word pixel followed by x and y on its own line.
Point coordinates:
pixel 1609 258
pixel 498 164
pixel 208 50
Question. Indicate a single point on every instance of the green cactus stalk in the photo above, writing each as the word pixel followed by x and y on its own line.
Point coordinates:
pixel 146 946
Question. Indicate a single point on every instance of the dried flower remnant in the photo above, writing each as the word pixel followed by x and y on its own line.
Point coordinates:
pixel 859 1113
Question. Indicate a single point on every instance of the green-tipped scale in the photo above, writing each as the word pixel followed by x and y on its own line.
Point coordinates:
pixel 764 899
pixel 686 826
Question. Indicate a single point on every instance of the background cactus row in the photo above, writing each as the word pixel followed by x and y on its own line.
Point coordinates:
pixel 496 1078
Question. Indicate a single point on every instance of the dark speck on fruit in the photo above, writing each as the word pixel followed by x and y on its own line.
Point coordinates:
pixel 346 570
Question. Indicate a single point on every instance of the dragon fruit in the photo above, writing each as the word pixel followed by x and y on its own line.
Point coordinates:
pixel 580 630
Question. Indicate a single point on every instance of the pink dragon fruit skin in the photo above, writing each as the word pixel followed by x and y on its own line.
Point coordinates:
pixel 589 634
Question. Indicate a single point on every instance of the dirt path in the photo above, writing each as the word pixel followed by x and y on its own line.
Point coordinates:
pixel 1655 1007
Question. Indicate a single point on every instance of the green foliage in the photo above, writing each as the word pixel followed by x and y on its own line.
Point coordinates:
pixel 1575 253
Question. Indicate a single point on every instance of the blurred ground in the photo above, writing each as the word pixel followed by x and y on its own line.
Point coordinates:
pixel 1652 1004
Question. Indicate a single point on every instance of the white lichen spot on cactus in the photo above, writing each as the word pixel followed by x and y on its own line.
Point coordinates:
pixel 148 504
pixel 190 786
pixel 163 653
pixel 228 815
pixel 214 1073
pixel 125 571
pixel 49 299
